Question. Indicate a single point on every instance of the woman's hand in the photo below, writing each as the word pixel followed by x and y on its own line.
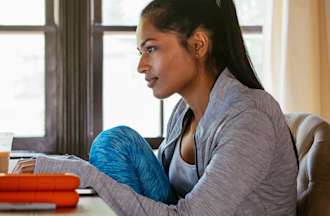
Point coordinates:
pixel 25 166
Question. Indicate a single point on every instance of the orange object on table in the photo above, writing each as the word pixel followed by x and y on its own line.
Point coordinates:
pixel 56 188
pixel 59 198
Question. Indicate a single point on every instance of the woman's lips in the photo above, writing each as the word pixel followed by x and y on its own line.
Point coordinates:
pixel 151 81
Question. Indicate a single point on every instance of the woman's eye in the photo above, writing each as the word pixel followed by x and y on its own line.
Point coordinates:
pixel 151 49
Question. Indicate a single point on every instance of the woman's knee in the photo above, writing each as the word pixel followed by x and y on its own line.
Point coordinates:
pixel 117 140
pixel 113 136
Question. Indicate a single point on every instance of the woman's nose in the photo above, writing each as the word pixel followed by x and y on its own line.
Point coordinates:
pixel 142 65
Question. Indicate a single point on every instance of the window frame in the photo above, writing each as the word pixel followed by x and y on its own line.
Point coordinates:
pixel 48 142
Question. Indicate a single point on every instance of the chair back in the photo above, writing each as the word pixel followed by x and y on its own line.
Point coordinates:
pixel 312 138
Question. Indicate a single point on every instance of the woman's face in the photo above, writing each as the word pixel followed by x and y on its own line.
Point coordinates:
pixel 168 67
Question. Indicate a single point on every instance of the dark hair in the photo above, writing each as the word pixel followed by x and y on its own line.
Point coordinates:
pixel 219 19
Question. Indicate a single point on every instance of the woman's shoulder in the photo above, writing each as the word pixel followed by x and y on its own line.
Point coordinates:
pixel 231 100
pixel 267 104
pixel 241 97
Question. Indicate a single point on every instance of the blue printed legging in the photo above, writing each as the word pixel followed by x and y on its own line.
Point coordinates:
pixel 125 155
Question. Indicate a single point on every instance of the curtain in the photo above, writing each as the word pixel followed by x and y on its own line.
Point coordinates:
pixel 297 55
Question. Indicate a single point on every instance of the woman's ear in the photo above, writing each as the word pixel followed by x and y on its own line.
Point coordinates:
pixel 199 43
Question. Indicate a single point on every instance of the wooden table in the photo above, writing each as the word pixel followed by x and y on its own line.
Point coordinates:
pixel 87 206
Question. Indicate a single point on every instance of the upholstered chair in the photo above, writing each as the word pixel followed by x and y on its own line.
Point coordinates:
pixel 312 138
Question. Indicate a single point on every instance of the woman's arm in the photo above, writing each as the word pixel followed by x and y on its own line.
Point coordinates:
pixel 239 163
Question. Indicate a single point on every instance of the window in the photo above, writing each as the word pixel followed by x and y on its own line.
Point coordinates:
pixel 26 74
pixel 126 100
pixel 251 17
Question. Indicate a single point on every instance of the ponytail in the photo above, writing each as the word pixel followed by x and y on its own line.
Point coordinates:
pixel 231 49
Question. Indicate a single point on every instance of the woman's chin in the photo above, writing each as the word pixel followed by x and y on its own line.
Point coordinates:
pixel 161 94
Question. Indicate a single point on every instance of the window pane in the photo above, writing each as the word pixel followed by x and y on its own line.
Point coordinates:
pixel 22 12
pixel 22 85
pixel 126 12
pixel 250 12
pixel 255 47
pixel 122 12
pixel 126 98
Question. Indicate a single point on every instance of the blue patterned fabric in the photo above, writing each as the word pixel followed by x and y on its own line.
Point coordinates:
pixel 125 155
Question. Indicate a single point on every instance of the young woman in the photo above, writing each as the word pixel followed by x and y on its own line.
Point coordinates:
pixel 228 149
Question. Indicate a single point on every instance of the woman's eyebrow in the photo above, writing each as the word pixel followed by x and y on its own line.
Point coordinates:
pixel 144 42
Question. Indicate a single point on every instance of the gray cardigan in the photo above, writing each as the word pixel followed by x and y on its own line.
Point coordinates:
pixel 244 156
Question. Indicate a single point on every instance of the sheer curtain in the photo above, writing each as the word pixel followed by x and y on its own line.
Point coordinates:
pixel 297 55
